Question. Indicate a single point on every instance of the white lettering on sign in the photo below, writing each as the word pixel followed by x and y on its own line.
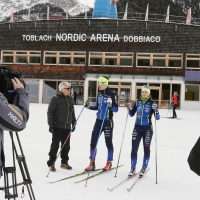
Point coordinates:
pixel 142 38
pixel 69 37
pixel 104 38
pixel 37 38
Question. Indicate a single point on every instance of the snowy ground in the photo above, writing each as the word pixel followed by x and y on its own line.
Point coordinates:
pixel 175 138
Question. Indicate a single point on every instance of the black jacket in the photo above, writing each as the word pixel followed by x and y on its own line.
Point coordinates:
pixel 61 112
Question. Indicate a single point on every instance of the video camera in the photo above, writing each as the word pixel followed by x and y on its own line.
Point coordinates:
pixel 6 86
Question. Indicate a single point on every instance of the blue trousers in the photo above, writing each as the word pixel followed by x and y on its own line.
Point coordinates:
pixel 145 133
pixel 108 134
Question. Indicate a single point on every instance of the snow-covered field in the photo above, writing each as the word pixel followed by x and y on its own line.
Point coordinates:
pixel 175 138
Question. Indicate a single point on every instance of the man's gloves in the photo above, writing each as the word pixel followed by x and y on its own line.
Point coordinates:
pixel 109 102
pixel 155 107
pixel 87 105
pixel 129 106
pixel 51 129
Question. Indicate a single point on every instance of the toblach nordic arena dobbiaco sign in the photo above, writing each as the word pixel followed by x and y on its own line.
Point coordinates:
pixel 66 37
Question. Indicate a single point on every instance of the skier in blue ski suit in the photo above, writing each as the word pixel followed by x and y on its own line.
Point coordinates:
pixel 144 109
pixel 105 106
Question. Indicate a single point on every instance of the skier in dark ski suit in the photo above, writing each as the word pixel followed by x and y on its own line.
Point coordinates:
pixel 106 105
pixel 144 107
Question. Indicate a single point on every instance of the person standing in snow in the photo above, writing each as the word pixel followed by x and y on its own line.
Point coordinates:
pixel 61 117
pixel 174 104
pixel 105 106
pixel 144 109
pixel 13 117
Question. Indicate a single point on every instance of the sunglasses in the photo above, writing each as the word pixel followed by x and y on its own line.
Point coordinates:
pixel 67 88
pixel 100 83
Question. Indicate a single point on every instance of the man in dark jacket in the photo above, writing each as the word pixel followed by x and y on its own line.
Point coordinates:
pixel 13 117
pixel 61 118
pixel 105 106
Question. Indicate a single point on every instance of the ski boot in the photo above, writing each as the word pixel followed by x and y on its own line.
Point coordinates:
pixel 91 166
pixel 142 172
pixel 132 172
pixel 108 166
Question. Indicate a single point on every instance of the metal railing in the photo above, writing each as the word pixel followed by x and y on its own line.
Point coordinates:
pixel 89 15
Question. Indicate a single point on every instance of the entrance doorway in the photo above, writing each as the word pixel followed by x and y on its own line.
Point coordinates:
pixel 123 95
pixel 155 93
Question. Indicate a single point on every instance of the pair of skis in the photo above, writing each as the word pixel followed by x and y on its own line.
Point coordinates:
pixel 100 171
pixel 127 179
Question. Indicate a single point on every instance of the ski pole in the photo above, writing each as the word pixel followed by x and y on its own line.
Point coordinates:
pixel 97 142
pixel 156 152
pixel 121 145
pixel 66 139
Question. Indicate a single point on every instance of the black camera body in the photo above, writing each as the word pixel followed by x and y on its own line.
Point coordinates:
pixel 6 86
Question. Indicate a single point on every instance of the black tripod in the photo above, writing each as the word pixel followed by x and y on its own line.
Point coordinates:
pixel 12 171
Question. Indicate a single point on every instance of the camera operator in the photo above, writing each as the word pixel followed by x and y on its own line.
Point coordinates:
pixel 13 117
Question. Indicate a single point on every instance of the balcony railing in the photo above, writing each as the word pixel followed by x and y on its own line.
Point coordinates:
pixel 88 15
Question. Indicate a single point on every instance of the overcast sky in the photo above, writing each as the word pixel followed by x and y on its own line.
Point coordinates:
pixel 88 2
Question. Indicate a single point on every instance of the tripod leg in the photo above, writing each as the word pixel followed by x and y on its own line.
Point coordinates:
pixel 23 168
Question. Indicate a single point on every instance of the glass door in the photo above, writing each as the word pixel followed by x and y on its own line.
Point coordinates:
pixel 124 96
pixel 155 95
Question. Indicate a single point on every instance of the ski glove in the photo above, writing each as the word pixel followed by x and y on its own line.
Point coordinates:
pixel 109 101
pixel 51 129
pixel 129 106
pixel 87 105
pixel 155 107
pixel 73 128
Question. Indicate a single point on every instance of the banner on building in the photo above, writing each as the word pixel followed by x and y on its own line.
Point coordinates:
pixel 167 17
pixel 11 17
pixel 147 13
pixel 188 20
pixel 126 11
pixel 29 14
pixel 48 12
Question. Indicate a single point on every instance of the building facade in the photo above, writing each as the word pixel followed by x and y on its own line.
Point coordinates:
pixel 165 56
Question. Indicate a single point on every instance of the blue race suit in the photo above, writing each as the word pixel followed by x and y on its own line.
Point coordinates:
pixel 143 129
pixel 105 120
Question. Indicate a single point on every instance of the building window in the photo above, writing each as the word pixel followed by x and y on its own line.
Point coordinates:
pixel 22 57
pixel 34 57
pixel 111 59
pixel 33 90
pixel 159 60
pixel 193 61
pixel 96 58
pixel 192 92
pixel 143 60
pixel 174 60
pixel 126 59
pixel 64 58
pixel 79 58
